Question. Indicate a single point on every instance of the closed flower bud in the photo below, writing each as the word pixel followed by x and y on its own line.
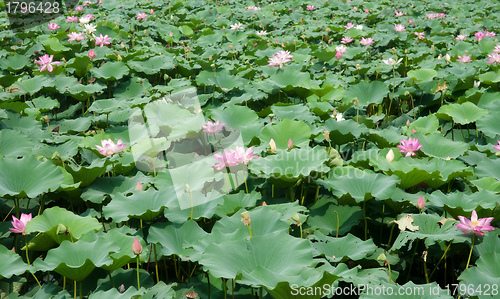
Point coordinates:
pixel 420 203
pixel 272 144
pixel 447 58
pixel 390 156
pixel 136 247
pixel 139 187
pixel 290 144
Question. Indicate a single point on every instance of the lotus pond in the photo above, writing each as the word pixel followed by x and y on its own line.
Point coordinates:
pixel 231 149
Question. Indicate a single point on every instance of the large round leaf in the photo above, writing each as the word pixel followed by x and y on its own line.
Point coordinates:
pixel 367 92
pixel 28 177
pixel 12 263
pixel 111 71
pixel 435 145
pixel 461 113
pixel 287 129
pixel 342 249
pixel 422 74
pixel 14 144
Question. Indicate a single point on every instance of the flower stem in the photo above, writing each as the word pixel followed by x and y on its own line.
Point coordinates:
pixel 338 224
pixel 250 230
pixel 470 253
pixel 28 259
pixel 138 281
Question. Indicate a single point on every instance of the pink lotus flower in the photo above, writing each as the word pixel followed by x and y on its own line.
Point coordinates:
pixel 152 12
pixel 492 58
pixel 466 58
pixel 398 14
pixel 109 147
pixel 342 49
pixel 75 36
pixel 261 33
pixel 92 54
pixel 346 40
pixel 399 27
pixel 391 61
pixel 310 7
pixel 349 26
pixel 79 8
pixel 46 63
pixel 20 224
pixel 409 146
pixel 497 147
pixel 290 143
pixel 236 26
pixel 141 15
pixel 280 58
pixel 53 26
pixel 227 159
pixel 366 41
pixel 136 247
pixel 479 35
pixel 490 34
pixel 71 19
pixel 90 17
pixel 102 40
pixel 477 226
pixel 254 8
pixel 461 37
pixel 420 35
pixel 497 49
pixel 86 3
pixel 212 128
pixel 431 16
pixel 420 203
pixel 242 156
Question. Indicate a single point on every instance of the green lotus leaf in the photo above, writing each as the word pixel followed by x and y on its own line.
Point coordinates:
pixel 111 71
pixel 485 274
pixel 14 63
pixel 14 144
pixel 430 230
pixel 297 112
pixel 87 174
pixel 435 145
pixel 426 124
pixel 288 77
pixel 422 74
pixel 178 239
pixel 12 263
pixel 488 168
pixel 457 203
pixel 344 131
pixel 220 78
pixel 288 210
pixel 260 261
pixel 289 166
pixel 41 242
pixel 490 77
pixel 81 65
pixel 128 278
pixel 489 244
pixel 104 186
pixel 287 129
pixel 487 183
pixel 343 248
pixel 45 104
pixel 124 255
pixel 28 177
pixel 75 125
pixel 32 85
pixel 82 92
pixel 234 202
pixel 152 65
pixel 367 92
pixel 358 184
pixel 77 260
pixel 461 113
pixel 388 137
pixel 241 118
pixel 489 124
pixel 327 217
pixel 145 205
pixel 51 220
pixel 53 45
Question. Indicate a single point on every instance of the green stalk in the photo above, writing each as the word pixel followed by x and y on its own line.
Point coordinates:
pixel 138 281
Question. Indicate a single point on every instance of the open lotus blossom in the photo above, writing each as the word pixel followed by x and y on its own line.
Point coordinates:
pixel 479 35
pixel 461 37
pixel 420 35
pixel 89 28
pixel 102 40
pixel 346 40
pixel 89 16
pixel 84 20
pixel 46 63
pixel 75 36
pixel 53 26
pixel 391 61
pixel 109 147
pixel 342 49
pixel 490 34
pixel 71 19
pixel 20 224
pixel 399 27
pixel 366 41
pixel 466 58
pixel 349 26
pixel 280 58
pixel 212 128
pixel 141 16
pixel 497 147
pixel 255 8
pixel 474 225
pixel 409 146
pixel 310 7
pixel 398 13
pixel 359 27
pixel 227 159
pixel 79 8
pixel 136 247
pixel 492 58
pixel 242 156
pixel 236 26
pixel 497 49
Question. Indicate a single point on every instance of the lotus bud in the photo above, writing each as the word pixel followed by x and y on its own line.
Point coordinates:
pixel 136 247
pixel 476 84
pixel 230 47
pixel 440 56
pixel 171 34
pixel 273 146
pixel 290 144
pixel 447 58
pixel 210 58
pixel 327 135
pixel 390 156
pixel 407 122
pixel 381 257
pixel 448 158
pixel 139 187
pixel 245 217
pixel 92 54
pixel 264 204
pixel 420 203
pixel 296 218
